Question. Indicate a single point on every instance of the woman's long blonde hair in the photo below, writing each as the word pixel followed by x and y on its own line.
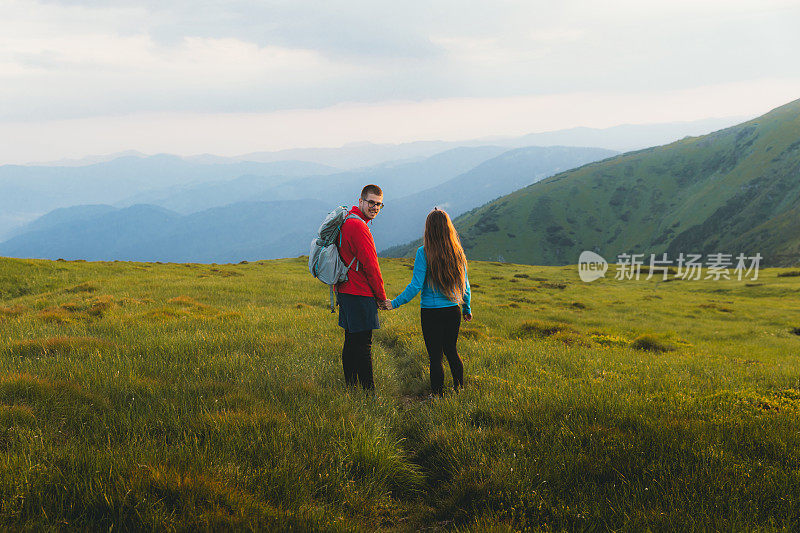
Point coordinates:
pixel 447 264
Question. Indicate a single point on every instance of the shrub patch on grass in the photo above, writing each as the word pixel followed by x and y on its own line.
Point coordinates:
pixel 570 338
pixel 541 328
pixel 164 313
pixel 100 305
pixel 12 311
pixel 82 287
pixel 470 333
pixel 650 343
pixel 718 307
pixel 185 301
pixel 61 315
pixel 225 273
pixel 605 339
pixel 15 415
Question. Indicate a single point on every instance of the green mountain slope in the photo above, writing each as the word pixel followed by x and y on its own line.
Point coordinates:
pixel 733 191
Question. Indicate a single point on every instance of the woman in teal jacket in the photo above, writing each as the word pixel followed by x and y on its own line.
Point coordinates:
pixel 440 272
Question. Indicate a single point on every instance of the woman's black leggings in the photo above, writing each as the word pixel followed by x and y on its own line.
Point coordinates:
pixel 440 331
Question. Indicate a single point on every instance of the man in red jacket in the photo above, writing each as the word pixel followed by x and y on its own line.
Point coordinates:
pixel 360 294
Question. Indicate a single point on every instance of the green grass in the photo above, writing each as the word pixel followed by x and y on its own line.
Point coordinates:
pixel 180 396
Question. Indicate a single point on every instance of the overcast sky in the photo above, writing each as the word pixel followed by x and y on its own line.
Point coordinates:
pixel 234 76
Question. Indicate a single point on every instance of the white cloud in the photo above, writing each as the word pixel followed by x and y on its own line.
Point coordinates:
pixel 488 51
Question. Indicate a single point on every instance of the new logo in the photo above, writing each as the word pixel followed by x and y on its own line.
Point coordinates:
pixel 591 266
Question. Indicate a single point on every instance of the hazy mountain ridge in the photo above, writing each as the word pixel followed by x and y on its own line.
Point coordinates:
pixel 27 192
pixel 64 216
pixel 395 177
pixel 284 225
pixel 412 188
pixel 242 231
pixel 732 191
pixel 623 137
pixel 30 191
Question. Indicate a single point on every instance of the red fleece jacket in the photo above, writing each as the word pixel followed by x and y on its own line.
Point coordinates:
pixel 357 242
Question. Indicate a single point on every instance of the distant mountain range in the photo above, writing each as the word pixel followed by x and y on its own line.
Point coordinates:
pixel 130 177
pixel 733 191
pixel 620 138
pixel 242 231
pixel 291 211
pixel 27 192
pixel 730 188
pixel 396 179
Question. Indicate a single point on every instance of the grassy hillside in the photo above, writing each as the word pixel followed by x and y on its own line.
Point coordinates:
pixel 184 396
pixel 733 191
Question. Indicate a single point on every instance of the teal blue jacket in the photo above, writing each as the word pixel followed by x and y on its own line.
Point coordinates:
pixel 432 297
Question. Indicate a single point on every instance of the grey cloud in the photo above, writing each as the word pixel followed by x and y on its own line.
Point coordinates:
pixel 355 30
pixel 391 46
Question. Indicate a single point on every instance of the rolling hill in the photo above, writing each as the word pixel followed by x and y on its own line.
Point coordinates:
pixel 733 191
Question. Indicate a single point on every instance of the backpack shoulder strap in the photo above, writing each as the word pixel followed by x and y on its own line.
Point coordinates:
pixel 348 217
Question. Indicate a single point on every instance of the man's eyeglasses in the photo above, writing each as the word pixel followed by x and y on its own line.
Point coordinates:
pixel 372 203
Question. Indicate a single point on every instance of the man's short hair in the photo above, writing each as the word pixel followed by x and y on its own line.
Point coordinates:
pixel 371 189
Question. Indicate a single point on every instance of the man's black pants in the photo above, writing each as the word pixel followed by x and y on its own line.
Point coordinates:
pixel 440 330
pixel 357 359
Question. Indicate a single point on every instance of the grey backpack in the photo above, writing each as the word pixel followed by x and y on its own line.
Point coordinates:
pixel 324 261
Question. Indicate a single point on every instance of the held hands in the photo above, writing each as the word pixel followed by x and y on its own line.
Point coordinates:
pixel 385 305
